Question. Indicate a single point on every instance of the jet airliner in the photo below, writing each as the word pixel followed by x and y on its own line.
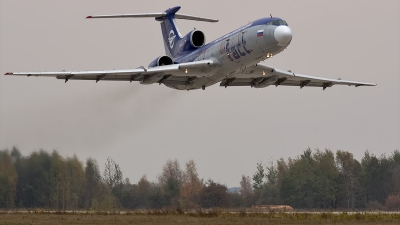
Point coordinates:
pixel 190 63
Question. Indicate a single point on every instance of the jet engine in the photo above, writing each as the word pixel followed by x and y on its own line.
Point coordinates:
pixel 161 61
pixel 197 38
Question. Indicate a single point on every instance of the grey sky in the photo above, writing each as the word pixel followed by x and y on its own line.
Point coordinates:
pixel 225 131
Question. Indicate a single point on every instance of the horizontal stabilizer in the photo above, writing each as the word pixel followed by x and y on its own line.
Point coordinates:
pixel 154 15
pixel 189 17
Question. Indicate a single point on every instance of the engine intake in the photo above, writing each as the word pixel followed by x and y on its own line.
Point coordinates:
pixel 197 38
pixel 161 61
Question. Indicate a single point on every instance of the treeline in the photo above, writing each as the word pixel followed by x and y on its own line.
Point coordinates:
pixel 313 180
pixel 325 180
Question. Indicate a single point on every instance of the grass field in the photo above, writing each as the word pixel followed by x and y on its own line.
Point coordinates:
pixel 213 217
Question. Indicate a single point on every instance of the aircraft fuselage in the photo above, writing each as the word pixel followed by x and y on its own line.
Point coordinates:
pixel 237 50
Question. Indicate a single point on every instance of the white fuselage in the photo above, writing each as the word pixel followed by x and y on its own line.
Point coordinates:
pixel 236 51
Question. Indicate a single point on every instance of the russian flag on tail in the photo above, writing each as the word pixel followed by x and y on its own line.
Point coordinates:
pixel 260 33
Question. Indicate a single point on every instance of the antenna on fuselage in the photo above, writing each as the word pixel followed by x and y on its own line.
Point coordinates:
pixel 270 15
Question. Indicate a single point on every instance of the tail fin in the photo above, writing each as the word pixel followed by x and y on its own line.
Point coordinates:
pixel 169 29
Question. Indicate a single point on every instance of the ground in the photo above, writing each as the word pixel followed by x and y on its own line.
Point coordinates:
pixel 220 218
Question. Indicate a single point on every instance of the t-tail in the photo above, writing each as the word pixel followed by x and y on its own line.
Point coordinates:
pixel 170 31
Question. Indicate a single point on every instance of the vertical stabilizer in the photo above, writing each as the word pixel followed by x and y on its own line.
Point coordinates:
pixel 170 31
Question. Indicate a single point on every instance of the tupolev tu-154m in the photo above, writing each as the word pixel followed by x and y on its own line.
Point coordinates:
pixel 190 63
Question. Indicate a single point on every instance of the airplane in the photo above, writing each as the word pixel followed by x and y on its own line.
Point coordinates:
pixel 189 63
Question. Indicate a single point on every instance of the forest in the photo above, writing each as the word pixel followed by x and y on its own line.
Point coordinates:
pixel 316 180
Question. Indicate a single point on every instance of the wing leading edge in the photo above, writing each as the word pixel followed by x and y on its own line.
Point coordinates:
pixel 153 75
pixel 260 76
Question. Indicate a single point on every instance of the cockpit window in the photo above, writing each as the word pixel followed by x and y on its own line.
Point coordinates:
pixel 277 23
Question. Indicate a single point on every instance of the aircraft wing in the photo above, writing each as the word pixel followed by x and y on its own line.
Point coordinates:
pixel 154 74
pixel 260 76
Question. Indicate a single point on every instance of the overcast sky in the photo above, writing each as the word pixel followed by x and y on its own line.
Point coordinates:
pixel 225 131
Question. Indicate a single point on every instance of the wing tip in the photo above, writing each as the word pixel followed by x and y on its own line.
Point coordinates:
pixel 8 73
pixel 89 17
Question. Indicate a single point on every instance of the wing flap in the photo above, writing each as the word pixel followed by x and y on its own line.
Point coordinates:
pixel 260 76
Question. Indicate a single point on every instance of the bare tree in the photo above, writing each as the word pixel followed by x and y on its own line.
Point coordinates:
pixel 112 173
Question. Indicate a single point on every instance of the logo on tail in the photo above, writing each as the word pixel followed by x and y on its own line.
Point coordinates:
pixel 171 39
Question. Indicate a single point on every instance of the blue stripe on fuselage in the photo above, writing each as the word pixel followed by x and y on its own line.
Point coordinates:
pixel 190 56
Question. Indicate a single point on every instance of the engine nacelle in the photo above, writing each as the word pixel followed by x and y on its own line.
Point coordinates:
pixel 161 61
pixel 197 38
pixel 194 40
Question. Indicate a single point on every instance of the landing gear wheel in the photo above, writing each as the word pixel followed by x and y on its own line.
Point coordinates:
pixel 204 87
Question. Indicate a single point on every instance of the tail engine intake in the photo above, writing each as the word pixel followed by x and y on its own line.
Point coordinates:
pixel 197 38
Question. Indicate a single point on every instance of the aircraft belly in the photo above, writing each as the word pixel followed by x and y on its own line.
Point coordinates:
pixel 197 84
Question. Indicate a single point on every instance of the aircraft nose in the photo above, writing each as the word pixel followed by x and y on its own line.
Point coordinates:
pixel 283 35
